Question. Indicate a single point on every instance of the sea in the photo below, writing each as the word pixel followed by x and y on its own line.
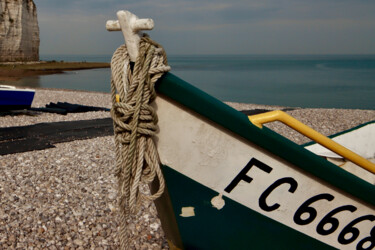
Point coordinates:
pixel 308 81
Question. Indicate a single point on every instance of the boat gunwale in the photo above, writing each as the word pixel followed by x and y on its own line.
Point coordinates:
pixel 18 90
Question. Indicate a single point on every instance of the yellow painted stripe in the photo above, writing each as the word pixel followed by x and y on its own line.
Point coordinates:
pixel 290 121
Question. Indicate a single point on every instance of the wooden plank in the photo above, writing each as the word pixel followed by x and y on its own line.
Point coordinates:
pixel 45 135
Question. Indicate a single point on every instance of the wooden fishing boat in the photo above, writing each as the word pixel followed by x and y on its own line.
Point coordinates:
pixel 233 184
pixel 12 98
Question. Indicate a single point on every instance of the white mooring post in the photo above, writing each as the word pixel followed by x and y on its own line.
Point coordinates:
pixel 131 27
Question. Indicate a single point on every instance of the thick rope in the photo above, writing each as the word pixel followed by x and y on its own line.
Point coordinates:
pixel 134 119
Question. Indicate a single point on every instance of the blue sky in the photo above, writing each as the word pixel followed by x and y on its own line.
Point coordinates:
pixel 191 27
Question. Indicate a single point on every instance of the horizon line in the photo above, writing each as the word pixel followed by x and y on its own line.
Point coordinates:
pixel 280 54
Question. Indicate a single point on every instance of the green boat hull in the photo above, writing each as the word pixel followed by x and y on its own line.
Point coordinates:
pixel 276 194
pixel 235 227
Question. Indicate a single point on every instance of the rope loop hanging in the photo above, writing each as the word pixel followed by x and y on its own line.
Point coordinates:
pixel 135 122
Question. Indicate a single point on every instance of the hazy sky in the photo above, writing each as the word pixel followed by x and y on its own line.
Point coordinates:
pixel 214 27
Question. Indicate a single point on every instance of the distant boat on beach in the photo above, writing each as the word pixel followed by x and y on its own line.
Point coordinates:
pixel 12 98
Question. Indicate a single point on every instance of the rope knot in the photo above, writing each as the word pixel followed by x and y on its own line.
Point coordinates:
pixel 135 122
pixel 145 124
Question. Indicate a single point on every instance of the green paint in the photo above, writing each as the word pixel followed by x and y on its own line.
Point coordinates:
pixel 233 227
pixel 229 118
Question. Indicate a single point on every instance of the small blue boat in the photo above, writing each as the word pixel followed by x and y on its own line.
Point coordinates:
pixel 12 98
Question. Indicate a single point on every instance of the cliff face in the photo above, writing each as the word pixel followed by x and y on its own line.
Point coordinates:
pixel 19 31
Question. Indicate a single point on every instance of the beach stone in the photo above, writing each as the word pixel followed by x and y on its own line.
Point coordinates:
pixel 78 242
pixel 19 32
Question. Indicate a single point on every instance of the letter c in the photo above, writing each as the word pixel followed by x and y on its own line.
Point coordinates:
pixel 262 199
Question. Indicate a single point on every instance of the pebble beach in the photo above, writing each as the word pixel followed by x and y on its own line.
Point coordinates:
pixel 65 197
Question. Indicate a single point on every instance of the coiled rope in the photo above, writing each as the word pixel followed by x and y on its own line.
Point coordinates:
pixel 134 121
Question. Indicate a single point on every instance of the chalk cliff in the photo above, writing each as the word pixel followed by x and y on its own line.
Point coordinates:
pixel 19 31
